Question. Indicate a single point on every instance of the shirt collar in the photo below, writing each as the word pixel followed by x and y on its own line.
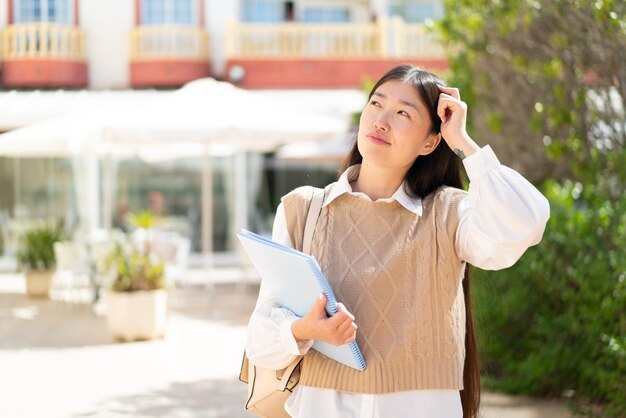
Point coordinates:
pixel 343 186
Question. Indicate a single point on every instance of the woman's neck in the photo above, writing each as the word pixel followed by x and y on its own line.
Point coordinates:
pixel 378 182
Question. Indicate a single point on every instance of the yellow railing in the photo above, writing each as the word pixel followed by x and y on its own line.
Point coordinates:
pixel 169 42
pixel 297 40
pixel 43 40
pixel 339 40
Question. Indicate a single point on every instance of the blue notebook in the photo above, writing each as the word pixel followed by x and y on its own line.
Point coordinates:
pixel 296 280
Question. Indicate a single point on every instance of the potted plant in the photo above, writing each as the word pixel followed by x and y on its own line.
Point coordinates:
pixel 136 300
pixel 35 257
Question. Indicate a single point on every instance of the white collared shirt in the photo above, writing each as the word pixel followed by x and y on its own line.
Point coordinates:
pixel 501 216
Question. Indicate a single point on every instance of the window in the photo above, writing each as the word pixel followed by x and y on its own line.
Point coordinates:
pixel 158 12
pixel 325 14
pixel 44 11
pixel 416 11
pixel 264 11
pixel 275 11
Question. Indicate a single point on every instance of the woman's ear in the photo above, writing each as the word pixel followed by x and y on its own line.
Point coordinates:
pixel 431 143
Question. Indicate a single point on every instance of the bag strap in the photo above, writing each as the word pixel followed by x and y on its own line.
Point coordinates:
pixel 284 381
pixel 315 207
pixel 314 212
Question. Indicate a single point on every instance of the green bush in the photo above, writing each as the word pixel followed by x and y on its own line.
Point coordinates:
pixel 36 247
pixel 556 321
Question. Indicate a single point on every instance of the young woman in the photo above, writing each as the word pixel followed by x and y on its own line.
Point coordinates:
pixel 394 238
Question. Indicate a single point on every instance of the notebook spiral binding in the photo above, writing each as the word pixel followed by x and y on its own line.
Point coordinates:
pixel 332 302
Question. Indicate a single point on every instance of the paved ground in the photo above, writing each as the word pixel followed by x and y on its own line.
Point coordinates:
pixel 58 360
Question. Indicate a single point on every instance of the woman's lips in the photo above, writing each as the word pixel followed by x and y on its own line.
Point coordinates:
pixel 377 140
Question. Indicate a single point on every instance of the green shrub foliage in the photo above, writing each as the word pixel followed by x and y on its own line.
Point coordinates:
pixel 545 83
pixel 36 247
pixel 556 321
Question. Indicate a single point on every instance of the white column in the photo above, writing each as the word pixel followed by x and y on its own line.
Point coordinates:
pixel 92 192
pixel 4 18
pixel 108 49
pixel 241 192
pixel 17 185
pixel 107 191
pixel 207 208
pixel 241 211
pixel 86 180
pixel 218 13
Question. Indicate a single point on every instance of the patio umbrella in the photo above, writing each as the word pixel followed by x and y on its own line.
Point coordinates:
pixel 203 114
pixel 210 111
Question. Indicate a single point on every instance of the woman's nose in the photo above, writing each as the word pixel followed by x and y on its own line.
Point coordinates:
pixel 381 124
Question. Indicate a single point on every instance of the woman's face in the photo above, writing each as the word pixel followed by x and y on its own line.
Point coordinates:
pixel 395 127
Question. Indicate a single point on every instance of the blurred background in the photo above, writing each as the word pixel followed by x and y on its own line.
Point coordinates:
pixel 138 136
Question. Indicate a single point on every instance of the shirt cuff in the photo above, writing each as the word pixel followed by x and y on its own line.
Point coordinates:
pixel 289 341
pixel 480 163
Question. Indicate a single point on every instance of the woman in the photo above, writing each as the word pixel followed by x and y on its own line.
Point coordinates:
pixel 394 238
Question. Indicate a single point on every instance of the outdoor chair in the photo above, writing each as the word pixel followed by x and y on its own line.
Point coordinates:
pixel 71 278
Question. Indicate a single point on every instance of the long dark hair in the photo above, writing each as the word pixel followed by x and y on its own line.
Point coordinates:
pixel 428 172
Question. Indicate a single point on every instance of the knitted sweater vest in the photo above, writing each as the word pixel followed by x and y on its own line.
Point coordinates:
pixel 400 275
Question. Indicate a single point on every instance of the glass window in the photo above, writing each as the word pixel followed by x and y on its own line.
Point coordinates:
pixel 158 12
pixel 263 11
pixel 50 188
pixel 173 190
pixel 278 178
pixel 34 189
pixel 325 14
pixel 415 11
pixel 170 191
pixel 183 12
pixel 44 11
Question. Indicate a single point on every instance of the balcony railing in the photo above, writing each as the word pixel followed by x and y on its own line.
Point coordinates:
pixel 43 40
pixel 169 42
pixel 414 40
pixel 393 38
pixel 305 40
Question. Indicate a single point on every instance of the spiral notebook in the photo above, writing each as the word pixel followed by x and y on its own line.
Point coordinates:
pixel 296 280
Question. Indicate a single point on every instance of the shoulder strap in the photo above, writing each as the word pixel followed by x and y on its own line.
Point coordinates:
pixel 286 380
pixel 314 212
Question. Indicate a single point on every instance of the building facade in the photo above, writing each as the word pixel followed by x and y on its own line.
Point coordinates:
pixel 256 43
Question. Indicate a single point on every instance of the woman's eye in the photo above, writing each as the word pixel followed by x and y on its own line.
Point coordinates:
pixel 375 103
pixel 404 113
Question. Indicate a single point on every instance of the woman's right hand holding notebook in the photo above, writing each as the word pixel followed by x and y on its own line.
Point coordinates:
pixel 337 330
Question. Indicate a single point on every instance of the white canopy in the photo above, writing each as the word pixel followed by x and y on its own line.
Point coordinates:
pixel 210 111
pixel 21 108
pixel 178 124
pixel 202 118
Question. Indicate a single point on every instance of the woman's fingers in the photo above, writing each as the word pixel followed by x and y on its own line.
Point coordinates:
pixel 340 319
pixel 445 102
pixel 452 91
pixel 342 327
pixel 342 308
pixel 448 103
pixel 344 333
pixel 345 326
pixel 453 114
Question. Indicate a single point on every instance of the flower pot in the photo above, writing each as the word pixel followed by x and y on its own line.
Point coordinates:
pixel 38 283
pixel 140 315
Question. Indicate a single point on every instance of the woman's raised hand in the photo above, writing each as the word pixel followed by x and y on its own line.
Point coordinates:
pixel 453 114
pixel 337 330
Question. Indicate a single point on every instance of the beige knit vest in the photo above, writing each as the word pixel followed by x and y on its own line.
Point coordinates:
pixel 400 275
